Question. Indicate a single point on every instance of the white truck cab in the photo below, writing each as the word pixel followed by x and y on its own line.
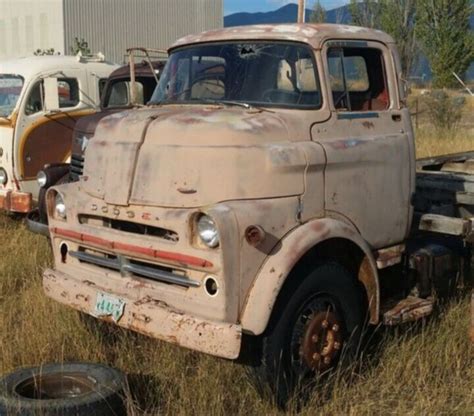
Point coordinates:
pixel 41 98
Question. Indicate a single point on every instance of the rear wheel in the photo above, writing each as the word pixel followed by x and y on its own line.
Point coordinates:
pixel 311 329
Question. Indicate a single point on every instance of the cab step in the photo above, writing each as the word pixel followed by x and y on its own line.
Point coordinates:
pixel 409 309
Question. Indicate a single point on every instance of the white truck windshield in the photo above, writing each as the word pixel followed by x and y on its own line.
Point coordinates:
pixel 10 90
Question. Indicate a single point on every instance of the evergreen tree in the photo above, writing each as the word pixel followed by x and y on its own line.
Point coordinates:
pixel 318 15
pixel 397 18
pixel 446 38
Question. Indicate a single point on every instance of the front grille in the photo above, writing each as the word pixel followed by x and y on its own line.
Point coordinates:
pixel 130 267
pixel 129 227
pixel 77 166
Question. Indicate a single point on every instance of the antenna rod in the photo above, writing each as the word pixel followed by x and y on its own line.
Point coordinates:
pixel 301 11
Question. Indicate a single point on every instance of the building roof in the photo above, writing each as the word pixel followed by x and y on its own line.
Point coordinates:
pixel 312 34
pixel 29 66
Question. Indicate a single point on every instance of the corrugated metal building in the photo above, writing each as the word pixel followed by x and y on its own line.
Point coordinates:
pixel 109 26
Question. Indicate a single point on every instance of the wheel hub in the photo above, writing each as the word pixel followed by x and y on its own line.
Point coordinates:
pixel 322 340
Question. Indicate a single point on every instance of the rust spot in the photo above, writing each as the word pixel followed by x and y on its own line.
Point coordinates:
pixel 141 317
pixel 80 296
pixel 367 278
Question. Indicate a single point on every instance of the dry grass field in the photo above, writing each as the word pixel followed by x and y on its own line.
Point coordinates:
pixel 422 369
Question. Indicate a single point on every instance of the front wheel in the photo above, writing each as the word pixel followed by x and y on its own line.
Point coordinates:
pixel 311 329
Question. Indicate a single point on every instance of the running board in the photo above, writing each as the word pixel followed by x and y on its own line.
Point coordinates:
pixel 409 309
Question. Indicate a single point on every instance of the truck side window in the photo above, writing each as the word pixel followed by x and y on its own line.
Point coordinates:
pixel 68 92
pixel 119 94
pixel 101 85
pixel 358 79
pixel 34 104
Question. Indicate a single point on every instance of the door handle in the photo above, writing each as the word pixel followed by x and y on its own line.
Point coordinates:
pixel 396 117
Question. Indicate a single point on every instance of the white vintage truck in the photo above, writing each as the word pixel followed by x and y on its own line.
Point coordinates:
pixel 269 196
pixel 41 98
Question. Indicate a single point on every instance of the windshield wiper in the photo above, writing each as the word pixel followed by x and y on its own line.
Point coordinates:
pixel 234 103
pixel 227 102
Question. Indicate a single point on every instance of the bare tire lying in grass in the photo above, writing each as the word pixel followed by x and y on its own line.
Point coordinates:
pixel 72 389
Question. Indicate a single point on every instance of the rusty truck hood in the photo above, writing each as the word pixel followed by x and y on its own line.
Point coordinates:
pixel 86 126
pixel 191 156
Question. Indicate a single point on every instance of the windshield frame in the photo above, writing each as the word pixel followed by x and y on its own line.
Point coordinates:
pixel 254 104
pixel 18 101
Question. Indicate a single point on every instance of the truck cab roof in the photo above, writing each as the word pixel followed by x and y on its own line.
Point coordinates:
pixel 313 34
pixel 32 65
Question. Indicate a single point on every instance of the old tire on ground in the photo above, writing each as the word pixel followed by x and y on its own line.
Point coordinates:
pixel 72 389
pixel 310 329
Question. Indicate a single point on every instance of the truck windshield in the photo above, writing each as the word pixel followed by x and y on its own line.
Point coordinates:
pixel 271 74
pixel 10 89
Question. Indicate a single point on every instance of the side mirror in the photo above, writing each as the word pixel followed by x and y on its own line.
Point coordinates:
pixel 51 96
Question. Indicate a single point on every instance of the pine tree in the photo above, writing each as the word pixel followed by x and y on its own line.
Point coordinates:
pixel 446 39
pixel 398 19
pixel 318 14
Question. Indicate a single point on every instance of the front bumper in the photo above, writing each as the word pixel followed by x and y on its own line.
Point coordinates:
pixel 35 225
pixel 14 201
pixel 150 317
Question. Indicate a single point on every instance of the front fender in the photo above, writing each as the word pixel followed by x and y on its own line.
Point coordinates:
pixel 262 295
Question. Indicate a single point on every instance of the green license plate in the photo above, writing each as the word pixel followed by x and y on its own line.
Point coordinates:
pixel 108 305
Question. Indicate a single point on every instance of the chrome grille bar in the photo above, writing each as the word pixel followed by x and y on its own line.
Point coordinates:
pixel 124 266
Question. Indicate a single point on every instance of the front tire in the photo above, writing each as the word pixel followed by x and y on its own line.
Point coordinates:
pixel 310 329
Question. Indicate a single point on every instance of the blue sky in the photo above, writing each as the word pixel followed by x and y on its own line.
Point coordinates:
pixel 251 6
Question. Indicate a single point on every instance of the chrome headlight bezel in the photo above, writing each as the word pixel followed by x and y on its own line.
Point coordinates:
pixel 42 179
pixel 60 210
pixel 206 229
pixel 3 177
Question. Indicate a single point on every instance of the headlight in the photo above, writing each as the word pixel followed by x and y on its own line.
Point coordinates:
pixel 3 177
pixel 42 178
pixel 207 231
pixel 59 207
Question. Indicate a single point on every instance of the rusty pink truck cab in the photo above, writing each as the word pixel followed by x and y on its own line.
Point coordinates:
pixel 266 191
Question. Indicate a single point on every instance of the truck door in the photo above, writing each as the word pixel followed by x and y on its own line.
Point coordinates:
pixel 42 136
pixel 368 143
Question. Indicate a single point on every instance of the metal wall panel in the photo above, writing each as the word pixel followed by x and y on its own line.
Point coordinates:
pixel 27 25
pixel 111 26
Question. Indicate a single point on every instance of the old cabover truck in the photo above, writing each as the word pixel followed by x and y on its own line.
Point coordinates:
pixel 270 190
pixel 41 98
pixel 115 97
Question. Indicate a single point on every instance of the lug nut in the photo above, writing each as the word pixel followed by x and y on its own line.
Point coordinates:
pixel 316 356
pixel 314 338
pixel 337 345
pixel 327 360
pixel 335 327
pixel 325 324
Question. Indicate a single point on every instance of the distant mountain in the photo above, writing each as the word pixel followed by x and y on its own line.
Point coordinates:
pixel 289 12
pixel 285 14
